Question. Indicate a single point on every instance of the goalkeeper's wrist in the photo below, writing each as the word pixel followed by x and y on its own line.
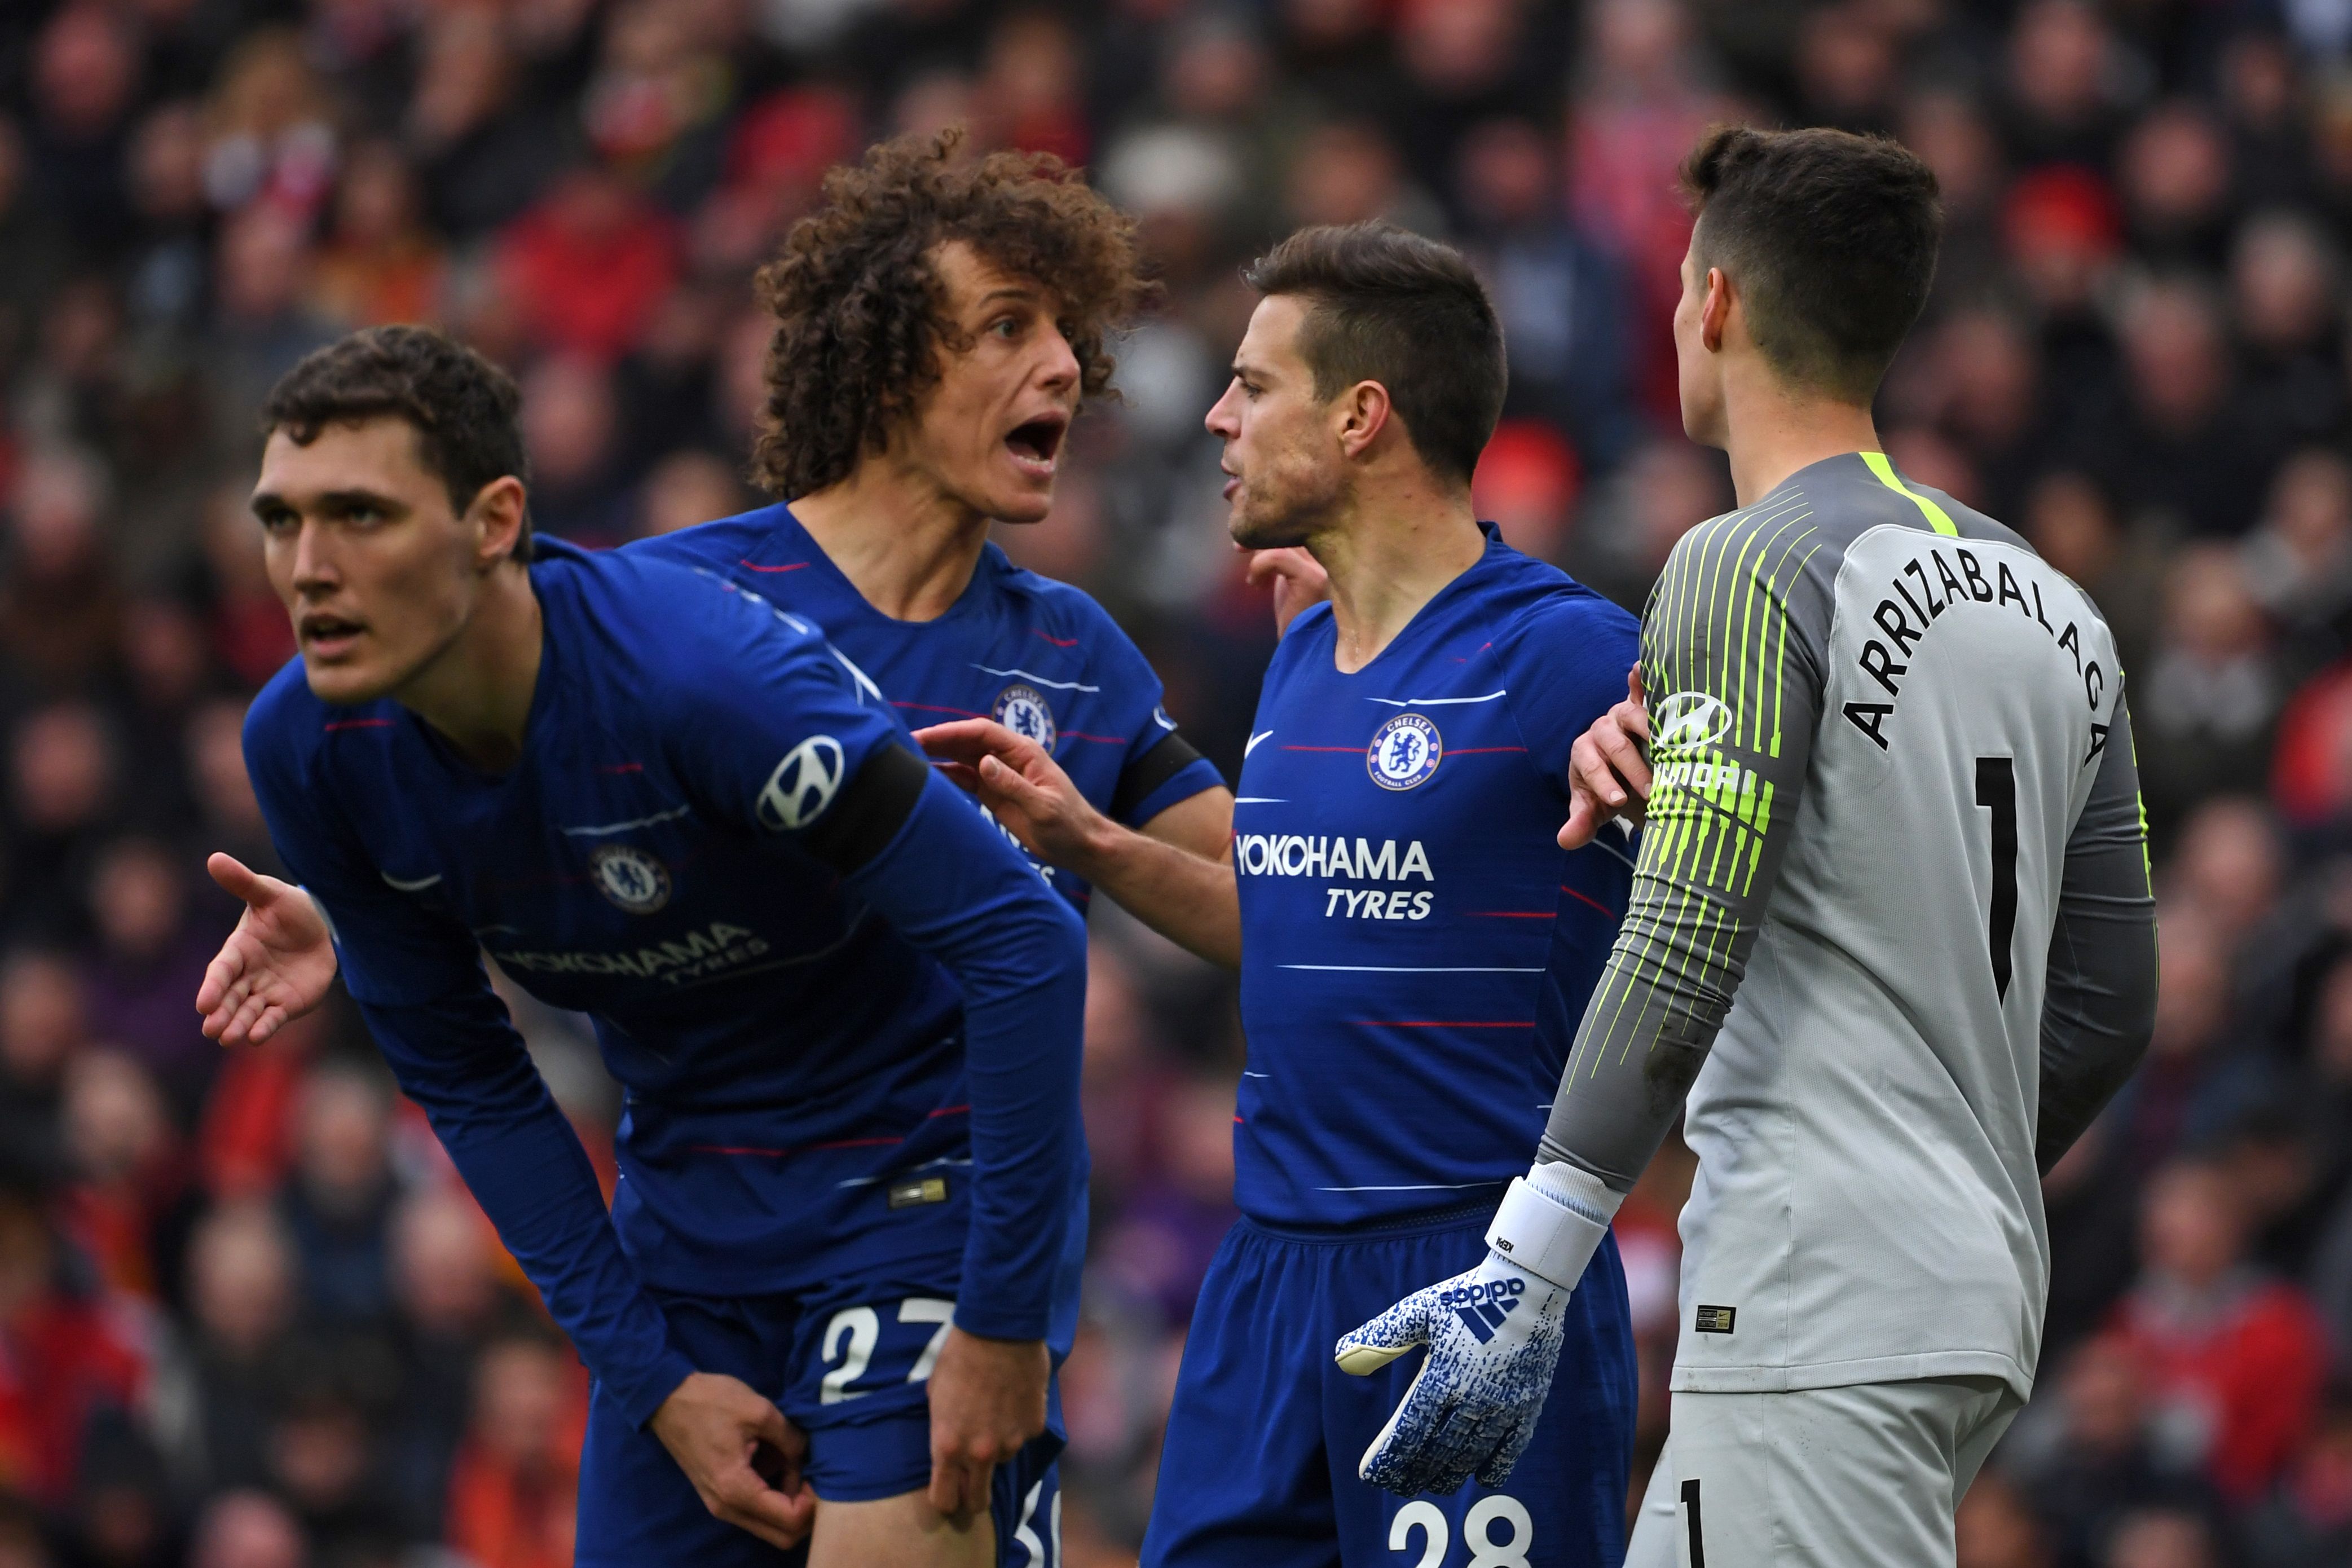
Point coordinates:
pixel 1552 1221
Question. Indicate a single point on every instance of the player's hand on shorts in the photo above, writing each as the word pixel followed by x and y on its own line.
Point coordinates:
pixel 1021 784
pixel 1494 1335
pixel 988 1400
pixel 1609 768
pixel 744 1458
pixel 1297 578
pixel 276 965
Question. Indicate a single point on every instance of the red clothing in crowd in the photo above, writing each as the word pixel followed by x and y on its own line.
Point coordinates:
pixel 2248 1361
pixel 505 1513
pixel 587 266
pixel 61 1358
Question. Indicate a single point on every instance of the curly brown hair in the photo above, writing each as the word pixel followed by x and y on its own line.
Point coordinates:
pixel 861 312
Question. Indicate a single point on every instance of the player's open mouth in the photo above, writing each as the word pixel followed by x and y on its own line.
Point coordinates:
pixel 1233 483
pixel 328 635
pixel 1034 445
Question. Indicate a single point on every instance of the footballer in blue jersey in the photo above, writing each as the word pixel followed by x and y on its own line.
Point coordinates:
pixel 1414 947
pixel 843 1249
pixel 898 475
pixel 1037 656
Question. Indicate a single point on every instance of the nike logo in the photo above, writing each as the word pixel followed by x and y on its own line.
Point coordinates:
pixel 416 887
pixel 1254 740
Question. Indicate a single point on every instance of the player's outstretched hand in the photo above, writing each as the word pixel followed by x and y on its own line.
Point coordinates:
pixel 276 965
pixel 1298 581
pixel 1608 772
pixel 988 1400
pixel 1022 786
pixel 1494 1335
pixel 743 1456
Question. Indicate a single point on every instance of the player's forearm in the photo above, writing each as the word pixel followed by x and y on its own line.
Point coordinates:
pixel 1025 1013
pixel 1187 898
pixel 1728 765
pixel 949 883
pixel 2100 1007
pixel 523 1163
pixel 1646 1032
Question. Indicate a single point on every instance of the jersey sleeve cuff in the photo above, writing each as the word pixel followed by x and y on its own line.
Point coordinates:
pixel 642 1391
pixel 979 1311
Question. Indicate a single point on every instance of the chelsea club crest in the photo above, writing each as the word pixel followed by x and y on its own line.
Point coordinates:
pixel 1024 710
pixel 1404 751
pixel 630 877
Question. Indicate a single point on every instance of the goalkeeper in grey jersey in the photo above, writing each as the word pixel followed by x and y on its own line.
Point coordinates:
pixel 1891 934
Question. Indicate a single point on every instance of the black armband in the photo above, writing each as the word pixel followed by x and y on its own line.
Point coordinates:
pixel 869 810
pixel 1172 755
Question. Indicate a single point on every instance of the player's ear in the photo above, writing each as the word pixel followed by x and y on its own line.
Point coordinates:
pixel 496 515
pixel 1714 311
pixel 1358 415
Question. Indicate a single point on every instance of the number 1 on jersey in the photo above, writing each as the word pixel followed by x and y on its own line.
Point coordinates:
pixel 1997 791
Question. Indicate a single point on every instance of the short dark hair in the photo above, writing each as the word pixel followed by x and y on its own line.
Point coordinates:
pixel 1388 305
pixel 1831 239
pixel 861 312
pixel 462 407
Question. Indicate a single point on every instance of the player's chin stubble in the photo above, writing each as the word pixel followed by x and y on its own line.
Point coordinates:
pixel 1264 522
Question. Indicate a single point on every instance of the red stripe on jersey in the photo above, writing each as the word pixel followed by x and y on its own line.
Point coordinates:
pixel 1057 642
pixel 1589 899
pixel 359 724
pixel 754 567
pixel 781 1153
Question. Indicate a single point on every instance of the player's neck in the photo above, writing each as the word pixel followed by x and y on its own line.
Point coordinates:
pixel 906 545
pixel 1391 556
pixel 1771 433
pixel 476 691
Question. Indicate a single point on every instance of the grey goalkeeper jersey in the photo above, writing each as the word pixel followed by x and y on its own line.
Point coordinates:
pixel 1891 931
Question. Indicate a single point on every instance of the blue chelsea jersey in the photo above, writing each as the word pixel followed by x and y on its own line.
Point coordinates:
pixel 1416 948
pixel 661 856
pixel 1039 657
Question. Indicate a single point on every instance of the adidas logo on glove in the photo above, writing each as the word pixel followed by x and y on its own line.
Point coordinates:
pixel 1483 1305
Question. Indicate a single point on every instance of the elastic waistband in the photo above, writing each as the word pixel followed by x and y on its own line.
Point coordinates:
pixel 1428 1222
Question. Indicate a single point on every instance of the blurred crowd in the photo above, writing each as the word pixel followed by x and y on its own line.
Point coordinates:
pixel 247 1317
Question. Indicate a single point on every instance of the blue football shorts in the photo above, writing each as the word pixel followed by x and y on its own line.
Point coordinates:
pixel 848 1359
pixel 1259 1466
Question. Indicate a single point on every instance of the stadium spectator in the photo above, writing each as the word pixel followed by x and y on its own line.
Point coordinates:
pixel 510 1491
pixel 2307 1522
pixel 249 1530
pixel 243 1298
pixel 2092 1457
pixel 1996 1527
pixel 338 1207
pixel 2235 1362
pixel 67 1353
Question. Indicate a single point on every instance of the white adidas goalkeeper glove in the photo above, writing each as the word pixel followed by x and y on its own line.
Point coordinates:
pixel 1494 1336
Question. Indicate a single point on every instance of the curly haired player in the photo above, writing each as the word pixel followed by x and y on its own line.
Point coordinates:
pixel 938 322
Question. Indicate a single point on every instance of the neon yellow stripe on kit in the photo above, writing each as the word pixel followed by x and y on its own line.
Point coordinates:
pixel 1938 518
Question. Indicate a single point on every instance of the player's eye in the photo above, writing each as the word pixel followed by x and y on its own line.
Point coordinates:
pixel 1006 327
pixel 277 521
